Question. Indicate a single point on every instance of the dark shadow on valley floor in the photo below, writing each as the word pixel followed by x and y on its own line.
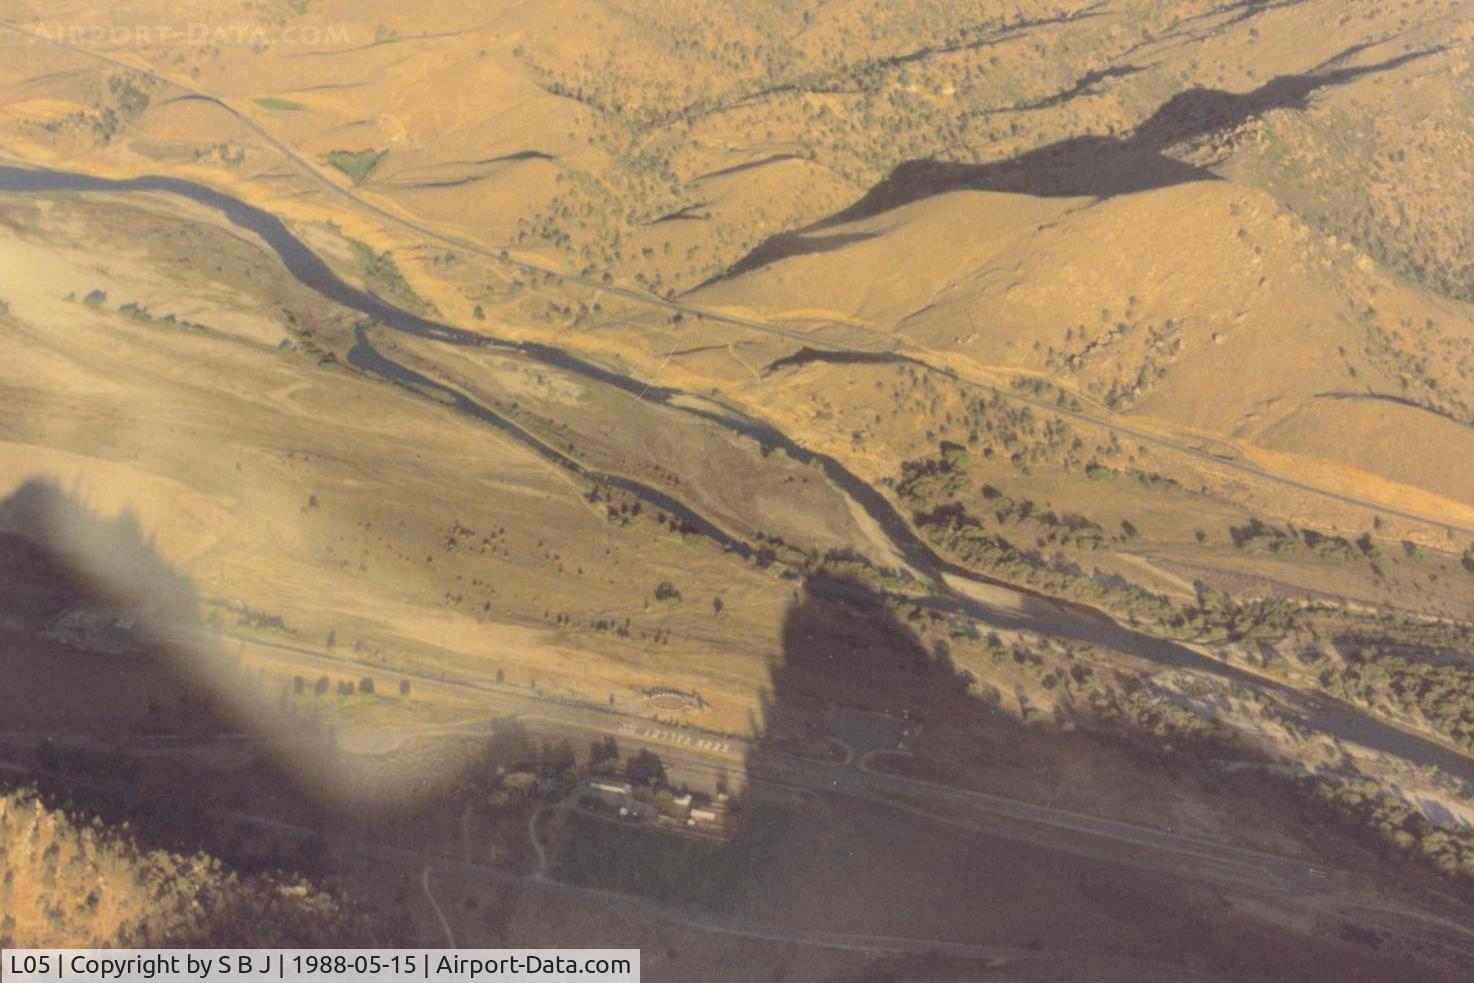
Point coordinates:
pixel 832 839
pixel 124 695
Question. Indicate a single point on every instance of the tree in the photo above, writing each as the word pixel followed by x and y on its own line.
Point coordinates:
pixel 321 686
pixel 645 768
pixel 558 758
pixel 603 754
pixel 366 685
pixel 332 638
pixel 404 687
pixel 717 605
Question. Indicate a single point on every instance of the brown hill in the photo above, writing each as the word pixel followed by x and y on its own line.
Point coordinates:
pixel 76 883
pixel 1204 305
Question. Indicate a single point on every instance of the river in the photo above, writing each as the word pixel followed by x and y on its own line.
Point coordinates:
pixel 1033 612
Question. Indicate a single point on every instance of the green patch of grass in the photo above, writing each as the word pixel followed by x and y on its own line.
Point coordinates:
pixel 284 105
pixel 355 163
pixel 663 865
pixel 382 274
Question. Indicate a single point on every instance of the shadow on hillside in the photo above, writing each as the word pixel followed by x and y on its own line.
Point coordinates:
pixel 785 245
pixel 1242 10
pixel 120 699
pixel 1088 166
pixel 1089 84
pixel 1102 167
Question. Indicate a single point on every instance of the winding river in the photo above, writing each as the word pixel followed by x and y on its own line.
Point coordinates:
pixel 1032 612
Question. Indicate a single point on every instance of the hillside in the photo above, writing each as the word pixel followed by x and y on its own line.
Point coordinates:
pixel 676 143
pixel 1007 189
pixel 76 883
pixel 1204 306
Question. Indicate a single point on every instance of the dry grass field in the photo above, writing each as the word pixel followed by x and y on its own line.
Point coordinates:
pixel 399 402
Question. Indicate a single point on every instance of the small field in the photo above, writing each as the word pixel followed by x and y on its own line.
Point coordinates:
pixel 355 163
